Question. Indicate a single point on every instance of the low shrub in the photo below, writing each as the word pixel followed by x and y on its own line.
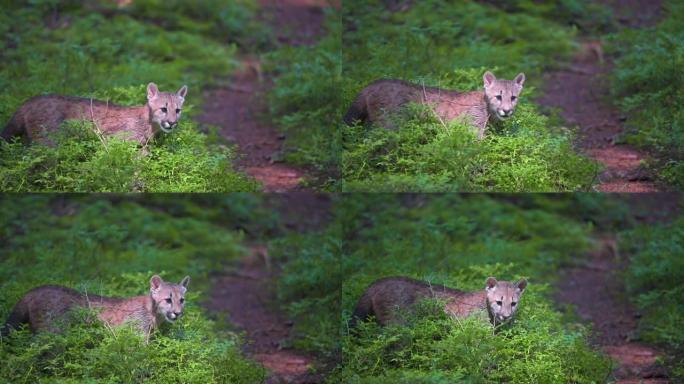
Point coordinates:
pixel 81 50
pixel 646 85
pixel 111 246
pixel 450 45
pixel 657 260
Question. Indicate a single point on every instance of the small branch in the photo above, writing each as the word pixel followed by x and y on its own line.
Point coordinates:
pixel 98 131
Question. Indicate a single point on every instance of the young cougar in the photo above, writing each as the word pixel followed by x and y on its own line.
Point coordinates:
pixel 41 115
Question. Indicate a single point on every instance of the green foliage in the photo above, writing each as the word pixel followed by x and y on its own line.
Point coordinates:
pixel 232 20
pixel 424 154
pixel 434 348
pixel 589 17
pixel 647 85
pixel 82 161
pixel 111 58
pixel 425 43
pixel 305 97
pixel 458 241
pixel 453 231
pixel 112 247
pixel 451 48
pixel 310 286
pixel 92 53
pixel 89 352
pixel 655 271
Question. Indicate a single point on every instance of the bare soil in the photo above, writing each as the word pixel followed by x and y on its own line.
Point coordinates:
pixel 246 293
pixel 597 292
pixel 636 13
pixel 581 92
pixel 240 109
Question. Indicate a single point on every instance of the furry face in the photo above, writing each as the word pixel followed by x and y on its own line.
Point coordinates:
pixel 168 298
pixel 503 298
pixel 502 95
pixel 165 108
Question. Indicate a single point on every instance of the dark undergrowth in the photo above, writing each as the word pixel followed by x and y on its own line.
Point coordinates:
pixel 309 287
pixel 656 263
pixel 93 49
pixel 647 84
pixel 304 98
pixel 111 246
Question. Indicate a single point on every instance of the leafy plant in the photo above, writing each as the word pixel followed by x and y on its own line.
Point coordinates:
pixel 646 84
pixel 451 48
pixel 424 154
pixel 88 54
pixel 304 101
pixel 234 21
pixel 82 161
pixel 111 246
pixel 657 260
pixel 459 240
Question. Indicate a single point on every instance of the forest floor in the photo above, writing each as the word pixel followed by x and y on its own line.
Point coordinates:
pixel 240 109
pixel 597 292
pixel 581 91
pixel 246 291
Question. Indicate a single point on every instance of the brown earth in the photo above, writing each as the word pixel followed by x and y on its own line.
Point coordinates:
pixel 246 293
pixel 240 109
pixel 599 299
pixel 597 292
pixel 248 297
pixel 581 92
pixel 636 13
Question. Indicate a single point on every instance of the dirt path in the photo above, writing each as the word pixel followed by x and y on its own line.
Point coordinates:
pixel 246 293
pixel 240 109
pixel 597 292
pixel 581 92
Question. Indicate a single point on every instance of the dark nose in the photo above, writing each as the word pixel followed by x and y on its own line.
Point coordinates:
pixel 178 314
pixel 173 124
pixel 508 111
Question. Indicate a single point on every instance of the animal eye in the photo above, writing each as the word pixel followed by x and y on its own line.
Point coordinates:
pixel 177 110
pixel 513 304
pixel 164 109
pixel 513 98
pixel 182 300
pixel 168 300
pixel 498 302
pixel 498 97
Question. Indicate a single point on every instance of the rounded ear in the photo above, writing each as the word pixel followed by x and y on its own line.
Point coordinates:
pixel 185 281
pixel 183 91
pixel 155 282
pixel 488 78
pixel 521 284
pixel 520 79
pixel 152 91
pixel 490 283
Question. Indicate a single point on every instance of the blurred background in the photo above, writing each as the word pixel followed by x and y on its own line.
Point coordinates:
pixel 598 111
pixel 245 125
pixel 600 306
pixel 249 316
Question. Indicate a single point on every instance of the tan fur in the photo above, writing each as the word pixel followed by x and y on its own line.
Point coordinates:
pixel 44 307
pixel 381 99
pixel 384 297
pixel 41 115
